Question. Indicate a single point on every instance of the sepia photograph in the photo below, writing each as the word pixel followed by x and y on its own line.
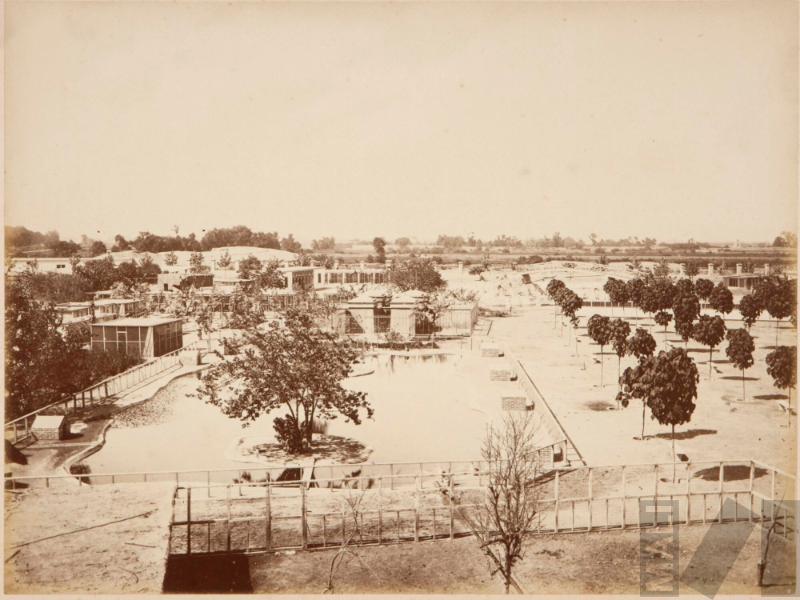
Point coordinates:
pixel 400 298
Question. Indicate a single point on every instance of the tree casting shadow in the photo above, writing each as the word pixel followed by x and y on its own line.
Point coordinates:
pixel 686 435
pixel 732 473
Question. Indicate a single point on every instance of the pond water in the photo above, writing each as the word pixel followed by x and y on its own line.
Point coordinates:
pixel 434 407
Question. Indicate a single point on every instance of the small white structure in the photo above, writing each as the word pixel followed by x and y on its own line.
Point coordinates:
pixel 49 427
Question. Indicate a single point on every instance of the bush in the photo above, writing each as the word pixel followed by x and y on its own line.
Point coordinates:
pixel 80 469
pixel 288 435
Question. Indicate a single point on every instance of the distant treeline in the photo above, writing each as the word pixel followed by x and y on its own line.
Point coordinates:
pixel 21 241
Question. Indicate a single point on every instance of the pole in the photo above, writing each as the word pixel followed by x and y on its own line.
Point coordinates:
pixel 268 523
pixel 303 515
pixel 188 520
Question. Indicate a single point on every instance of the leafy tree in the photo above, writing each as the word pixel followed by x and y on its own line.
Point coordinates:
pixel 265 275
pixel 620 332
pixel 617 291
pixel 554 288
pixel 781 366
pixel 570 304
pixel 35 352
pixel 778 297
pixel 293 365
pixel 635 288
pixel 661 270
pixel 325 243
pixel 692 268
pixel 196 263
pixel 684 329
pixel 97 274
pixel 662 317
pixel 721 299
pixel 658 294
pixel 402 243
pixel 171 259
pixel 740 351
pixel 709 331
pixel 225 260
pixel 684 287
pixel 291 245
pixel 704 288
pixel 120 244
pixel 599 330
pixel 97 248
pixel 380 249
pixel 641 343
pixel 750 309
pixel 667 383
pixel 686 308
pixel 416 274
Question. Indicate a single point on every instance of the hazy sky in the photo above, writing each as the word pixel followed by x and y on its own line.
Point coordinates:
pixel 671 120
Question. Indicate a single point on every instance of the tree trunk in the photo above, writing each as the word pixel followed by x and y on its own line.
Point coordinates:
pixel 777 322
pixel 710 350
pixel 743 392
pixel 673 454
pixel 644 406
pixel 508 572
pixel 601 366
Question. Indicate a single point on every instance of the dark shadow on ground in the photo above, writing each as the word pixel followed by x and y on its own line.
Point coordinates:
pixel 600 406
pixel 739 378
pixel 771 397
pixel 197 574
pixel 329 447
pixel 686 435
pixel 732 473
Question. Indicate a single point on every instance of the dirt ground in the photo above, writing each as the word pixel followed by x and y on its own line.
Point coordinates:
pixel 563 564
pixel 723 426
pixel 102 539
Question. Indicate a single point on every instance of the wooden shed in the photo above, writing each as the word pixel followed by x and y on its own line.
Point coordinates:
pixel 50 427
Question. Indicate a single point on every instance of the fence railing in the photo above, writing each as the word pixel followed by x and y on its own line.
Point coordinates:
pixel 19 429
pixel 272 516
pixel 360 475
pixel 555 429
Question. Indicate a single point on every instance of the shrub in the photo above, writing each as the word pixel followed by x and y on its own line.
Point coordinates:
pixel 80 469
pixel 288 434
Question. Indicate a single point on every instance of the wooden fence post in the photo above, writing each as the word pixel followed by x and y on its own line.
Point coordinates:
pixel 721 482
pixel 268 523
pixel 303 515
pixel 655 495
pixel 450 505
pixel 752 476
pixel 688 493
pixel 188 520
pixel 589 503
pixel 228 524
pixel 556 503
pixel 416 509
pixel 772 496
pixel 624 501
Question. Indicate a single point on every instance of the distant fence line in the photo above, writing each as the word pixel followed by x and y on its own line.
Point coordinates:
pixel 360 475
pixel 19 429
pixel 276 516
